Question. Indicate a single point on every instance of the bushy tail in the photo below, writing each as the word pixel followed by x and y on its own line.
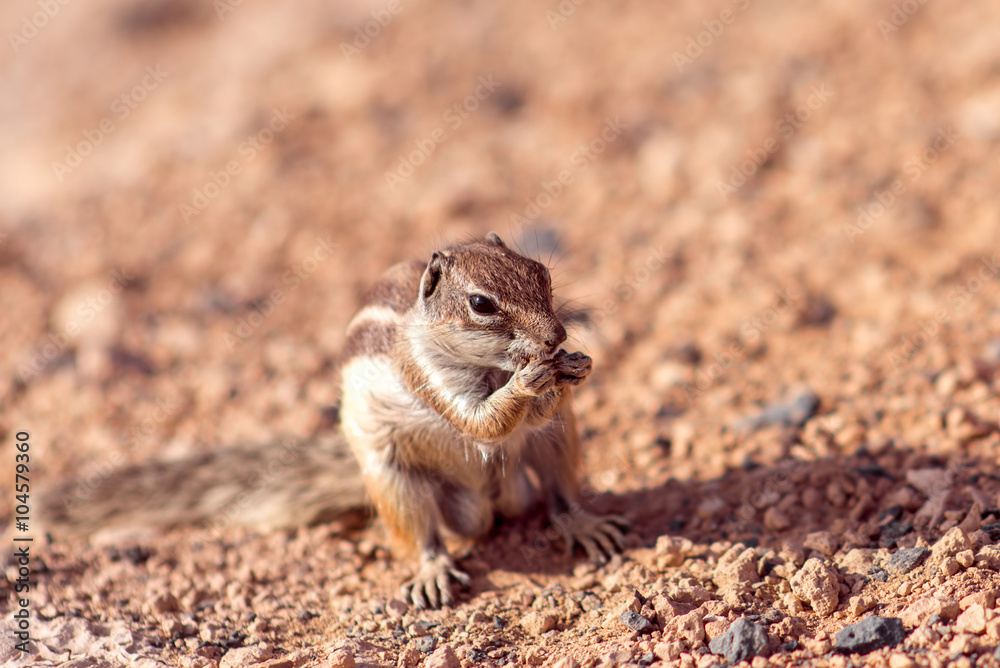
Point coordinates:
pixel 273 486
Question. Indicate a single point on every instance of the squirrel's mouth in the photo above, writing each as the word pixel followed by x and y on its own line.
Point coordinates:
pixel 522 359
pixel 523 351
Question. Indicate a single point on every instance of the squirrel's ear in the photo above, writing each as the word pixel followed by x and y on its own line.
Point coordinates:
pixel 432 274
pixel 494 238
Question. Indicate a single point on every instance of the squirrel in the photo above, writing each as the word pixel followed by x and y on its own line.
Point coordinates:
pixel 456 405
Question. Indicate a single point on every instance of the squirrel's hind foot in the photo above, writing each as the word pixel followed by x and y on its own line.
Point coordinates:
pixel 600 536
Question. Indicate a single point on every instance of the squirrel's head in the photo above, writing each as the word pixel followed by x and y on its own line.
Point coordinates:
pixel 486 305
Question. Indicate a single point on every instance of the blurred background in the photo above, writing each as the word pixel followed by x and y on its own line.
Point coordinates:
pixel 756 200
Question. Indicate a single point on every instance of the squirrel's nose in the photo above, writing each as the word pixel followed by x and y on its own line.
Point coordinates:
pixel 556 336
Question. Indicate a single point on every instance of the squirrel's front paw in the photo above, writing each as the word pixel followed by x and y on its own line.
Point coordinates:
pixel 431 586
pixel 538 376
pixel 572 368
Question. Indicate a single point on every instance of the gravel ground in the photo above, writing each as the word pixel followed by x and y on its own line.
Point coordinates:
pixel 784 221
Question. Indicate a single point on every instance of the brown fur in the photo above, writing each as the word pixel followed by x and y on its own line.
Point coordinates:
pixel 281 486
pixel 474 406
pixel 452 414
pixel 398 286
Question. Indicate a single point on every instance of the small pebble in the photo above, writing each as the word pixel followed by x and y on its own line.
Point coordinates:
pixel 396 608
pixel 987 599
pixel 341 658
pixel 950 566
pixel 790 413
pixel 973 620
pixel 951 543
pixel 818 586
pixel 534 656
pixel 929 606
pixel 636 622
pixel 419 629
pixel 859 605
pixel 668 651
pixel 868 635
pixel 410 657
pixel 443 657
pixel 425 644
pixel 537 623
pixel 166 602
pixel 823 542
pixel 741 641
pixel 566 662
pixel 906 559
pixel 899 660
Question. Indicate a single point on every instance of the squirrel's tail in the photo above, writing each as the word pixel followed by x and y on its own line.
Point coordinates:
pixel 274 486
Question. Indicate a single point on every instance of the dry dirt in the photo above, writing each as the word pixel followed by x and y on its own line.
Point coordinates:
pixel 796 367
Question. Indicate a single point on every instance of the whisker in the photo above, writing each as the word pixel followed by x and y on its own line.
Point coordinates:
pixel 560 258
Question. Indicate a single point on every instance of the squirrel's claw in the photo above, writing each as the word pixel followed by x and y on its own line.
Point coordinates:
pixel 573 365
pixel 431 586
pixel 600 536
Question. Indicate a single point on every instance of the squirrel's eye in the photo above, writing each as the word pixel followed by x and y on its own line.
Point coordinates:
pixel 482 305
